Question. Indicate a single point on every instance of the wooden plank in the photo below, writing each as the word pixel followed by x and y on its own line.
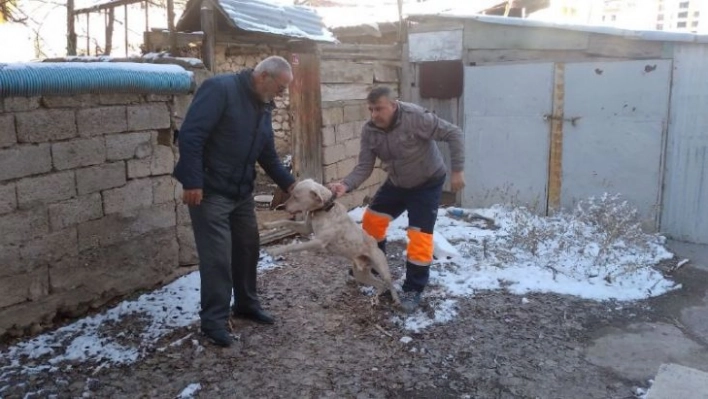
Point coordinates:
pixel 406 80
pixel 435 46
pixel 555 164
pixel 385 73
pixel 361 56
pixel 208 23
pixel 479 35
pixel 491 57
pixel 613 46
pixel 307 116
pixel 270 237
pixel 345 92
pixel 360 52
pixel 349 47
pixel 337 71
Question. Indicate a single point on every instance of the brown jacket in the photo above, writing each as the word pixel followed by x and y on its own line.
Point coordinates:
pixel 408 151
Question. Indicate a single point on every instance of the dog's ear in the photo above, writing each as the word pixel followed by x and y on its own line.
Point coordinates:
pixel 316 196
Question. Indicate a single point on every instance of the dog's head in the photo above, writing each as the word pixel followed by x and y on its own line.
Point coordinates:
pixel 307 195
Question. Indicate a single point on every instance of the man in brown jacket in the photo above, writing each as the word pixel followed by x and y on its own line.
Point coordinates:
pixel 403 136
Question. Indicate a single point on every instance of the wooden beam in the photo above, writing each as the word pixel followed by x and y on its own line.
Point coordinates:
pixel 174 50
pixel 305 106
pixel 111 17
pixel 70 28
pixel 208 23
pixel 555 163
pixel 105 6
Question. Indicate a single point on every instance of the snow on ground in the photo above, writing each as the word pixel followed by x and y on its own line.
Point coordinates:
pixel 596 253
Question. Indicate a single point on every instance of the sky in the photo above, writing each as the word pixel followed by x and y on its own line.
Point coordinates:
pixel 571 254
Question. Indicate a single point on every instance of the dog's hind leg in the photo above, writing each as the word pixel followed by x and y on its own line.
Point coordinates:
pixel 380 264
pixel 364 276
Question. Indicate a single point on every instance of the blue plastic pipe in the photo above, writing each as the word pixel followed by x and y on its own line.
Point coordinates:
pixel 71 78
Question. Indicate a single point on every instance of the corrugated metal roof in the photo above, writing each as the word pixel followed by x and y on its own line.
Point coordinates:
pixel 284 20
pixel 649 35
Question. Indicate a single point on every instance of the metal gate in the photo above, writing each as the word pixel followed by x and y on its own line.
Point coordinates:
pixel 548 135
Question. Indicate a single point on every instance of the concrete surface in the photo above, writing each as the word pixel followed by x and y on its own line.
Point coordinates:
pixel 676 334
pixel 675 381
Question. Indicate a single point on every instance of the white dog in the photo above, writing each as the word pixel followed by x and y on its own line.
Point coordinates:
pixel 334 230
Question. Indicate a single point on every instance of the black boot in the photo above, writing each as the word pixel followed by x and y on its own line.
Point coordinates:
pixel 416 279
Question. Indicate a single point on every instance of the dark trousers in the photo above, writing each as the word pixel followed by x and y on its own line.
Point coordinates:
pixel 422 204
pixel 228 245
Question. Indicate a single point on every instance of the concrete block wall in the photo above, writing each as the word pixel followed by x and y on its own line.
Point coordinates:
pixel 233 58
pixel 88 209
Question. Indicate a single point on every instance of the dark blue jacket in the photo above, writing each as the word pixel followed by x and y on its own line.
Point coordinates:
pixel 227 130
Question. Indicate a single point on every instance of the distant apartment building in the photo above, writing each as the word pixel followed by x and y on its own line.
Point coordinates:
pixel 682 15
pixel 668 15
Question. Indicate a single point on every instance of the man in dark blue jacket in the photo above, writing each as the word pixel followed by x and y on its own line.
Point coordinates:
pixel 226 130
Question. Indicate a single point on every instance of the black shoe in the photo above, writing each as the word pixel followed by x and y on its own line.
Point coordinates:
pixel 257 315
pixel 219 337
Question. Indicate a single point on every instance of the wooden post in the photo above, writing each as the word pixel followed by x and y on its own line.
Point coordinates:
pixel 555 162
pixel 125 25
pixel 305 106
pixel 508 7
pixel 209 28
pixel 70 28
pixel 111 16
pixel 171 27
pixel 88 34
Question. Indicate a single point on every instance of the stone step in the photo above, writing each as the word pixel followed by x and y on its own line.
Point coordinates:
pixel 674 381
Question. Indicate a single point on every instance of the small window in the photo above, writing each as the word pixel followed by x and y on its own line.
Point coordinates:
pixel 660 17
pixel 613 18
pixel 694 24
pixel 681 25
pixel 682 14
pixel 659 27
pixel 684 4
pixel 697 14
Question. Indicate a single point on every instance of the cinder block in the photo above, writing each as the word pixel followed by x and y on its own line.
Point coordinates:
pixel 128 145
pixel 345 131
pixel 21 104
pixel 8 136
pixel 352 147
pixel 78 153
pixel 356 112
pixel 21 226
pixel 330 173
pixel 23 287
pixel 328 136
pixel 8 198
pixel 119 99
pixel 75 101
pixel 139 168
pixel 102 120
pixel 50 247
pixel 101 177
pixel 345 167
pixel 45 125
pixel 163 189
pixel 10 260
pixel 46 189
pixel 150 116
pixel 332 116
pixel 163 161
pixel 75 211
pixel 135 194
pixel 120 227
pixel 24 161
pixel 333 154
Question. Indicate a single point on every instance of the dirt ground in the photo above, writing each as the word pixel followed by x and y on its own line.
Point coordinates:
pixel 329 341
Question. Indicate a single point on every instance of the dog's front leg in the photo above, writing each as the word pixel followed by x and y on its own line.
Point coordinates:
pixel 302 246
pixel 302 228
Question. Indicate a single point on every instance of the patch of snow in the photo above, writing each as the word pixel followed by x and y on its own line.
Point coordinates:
pixel 190 391
pixel 406 340
pixel 93 339
pixel 572 253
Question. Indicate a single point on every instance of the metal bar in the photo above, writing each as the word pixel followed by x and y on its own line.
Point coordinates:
pixel 555 162
pixel 70 28
pixel 88 34
pixel 147 24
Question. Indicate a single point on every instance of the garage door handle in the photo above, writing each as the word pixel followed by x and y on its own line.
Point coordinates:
pixel 572 120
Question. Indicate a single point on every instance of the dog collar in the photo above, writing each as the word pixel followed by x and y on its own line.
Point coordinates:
pixel 328 205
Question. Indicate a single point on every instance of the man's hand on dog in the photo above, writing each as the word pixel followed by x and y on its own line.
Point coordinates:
pixel 192 197
pixel 338 188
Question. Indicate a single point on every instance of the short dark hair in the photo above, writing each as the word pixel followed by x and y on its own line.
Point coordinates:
pixel 378 92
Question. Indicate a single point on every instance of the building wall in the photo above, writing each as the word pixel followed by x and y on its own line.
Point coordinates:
pixel 88 208
pixel 347 74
